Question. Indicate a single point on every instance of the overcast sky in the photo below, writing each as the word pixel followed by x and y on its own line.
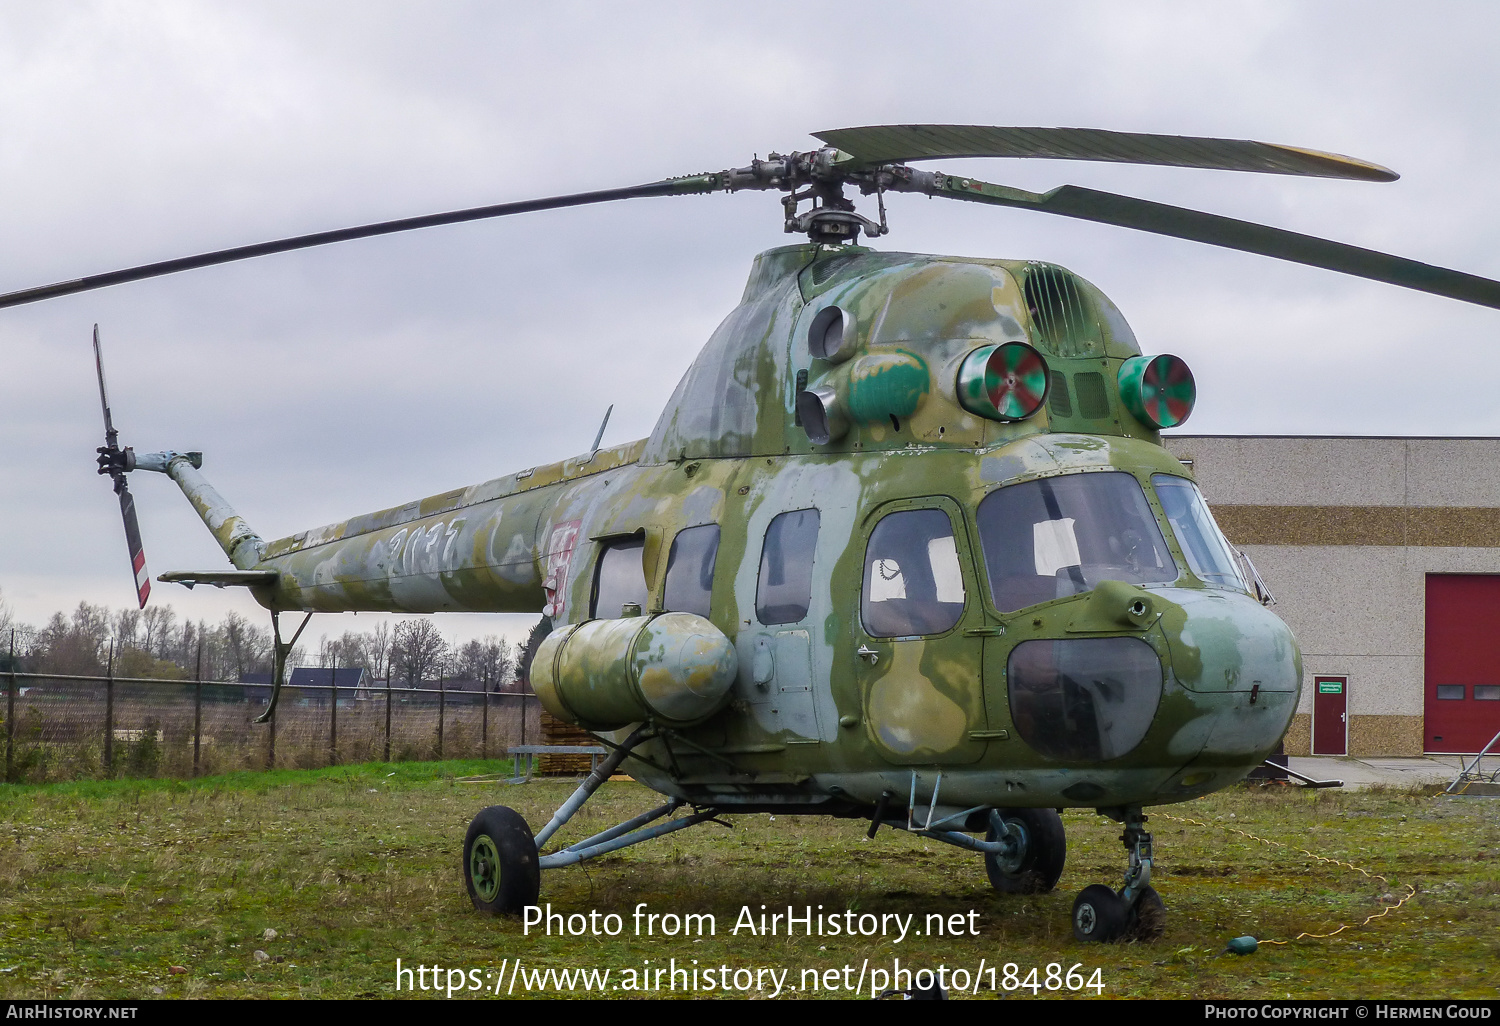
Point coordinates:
pixel 354 377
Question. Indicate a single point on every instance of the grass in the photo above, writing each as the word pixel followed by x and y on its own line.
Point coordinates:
pixel 139 889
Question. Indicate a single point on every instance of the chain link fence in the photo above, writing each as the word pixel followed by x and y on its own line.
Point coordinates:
pixel 60 727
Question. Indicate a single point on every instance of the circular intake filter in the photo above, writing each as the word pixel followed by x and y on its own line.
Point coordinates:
pixel 1159 390
pixel 1003 382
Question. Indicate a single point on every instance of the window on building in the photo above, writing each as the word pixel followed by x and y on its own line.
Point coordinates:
pixel 1450 692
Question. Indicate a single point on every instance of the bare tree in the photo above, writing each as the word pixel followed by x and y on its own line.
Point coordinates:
pixel 158 627
pixel 236 643
pixel 488 661
pixel 91 623
pixel 417 651
pixel 127 624
pixel 378 648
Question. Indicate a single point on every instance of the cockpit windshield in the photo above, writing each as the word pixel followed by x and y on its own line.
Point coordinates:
pixel 1061 536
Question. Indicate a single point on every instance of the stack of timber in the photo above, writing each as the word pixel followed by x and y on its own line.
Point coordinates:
pixel 556 732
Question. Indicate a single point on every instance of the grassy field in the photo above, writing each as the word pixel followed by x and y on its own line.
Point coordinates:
pixel 160 888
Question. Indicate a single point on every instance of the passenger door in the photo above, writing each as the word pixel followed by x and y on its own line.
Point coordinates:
pixel 776 651
pixel 917 663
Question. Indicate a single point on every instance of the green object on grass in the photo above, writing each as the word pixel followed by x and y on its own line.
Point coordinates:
pixel 1244 945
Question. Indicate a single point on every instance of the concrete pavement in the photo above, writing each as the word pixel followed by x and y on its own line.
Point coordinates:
pixel 1364 772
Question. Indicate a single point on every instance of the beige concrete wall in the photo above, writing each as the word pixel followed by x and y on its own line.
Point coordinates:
pixel 1357 609
pixel 1369 736
pixel 1295 471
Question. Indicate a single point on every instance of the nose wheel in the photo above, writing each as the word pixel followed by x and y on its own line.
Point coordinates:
pixel 1134 912
pixel 1099 914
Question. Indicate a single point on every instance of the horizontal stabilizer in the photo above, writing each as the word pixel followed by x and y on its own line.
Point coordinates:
pixel 221 578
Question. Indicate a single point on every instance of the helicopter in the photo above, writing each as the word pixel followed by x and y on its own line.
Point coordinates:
pixel 904 547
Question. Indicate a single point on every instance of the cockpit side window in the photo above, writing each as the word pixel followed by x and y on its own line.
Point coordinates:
pixel 1208 553
pixel 620 576
pixel 913 584
pixel 784 590
pixel 1061 536
pixel 690 570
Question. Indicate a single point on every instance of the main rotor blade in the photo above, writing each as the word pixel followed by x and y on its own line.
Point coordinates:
pixel 667 187
pixel 888 144
pixel 1226 232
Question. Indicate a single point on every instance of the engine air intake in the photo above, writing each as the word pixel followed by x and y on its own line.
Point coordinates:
pixel 1007 382
pixel 1159 390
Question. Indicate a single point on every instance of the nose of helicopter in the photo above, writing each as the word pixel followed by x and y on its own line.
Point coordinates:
pixel 1234 678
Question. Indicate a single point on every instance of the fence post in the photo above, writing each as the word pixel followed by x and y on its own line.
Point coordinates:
pixel 10 715
pixel 198 707
pixel 387 713
pixel 524 696
pixel 484 729
pixel 109 712
pixel 442 696
pixel 333 714
pixel 271 740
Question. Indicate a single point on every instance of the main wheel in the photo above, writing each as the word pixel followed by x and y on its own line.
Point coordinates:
pixel 1040 853
pixel 1148 920
pixel 500 862
pixel 1098 915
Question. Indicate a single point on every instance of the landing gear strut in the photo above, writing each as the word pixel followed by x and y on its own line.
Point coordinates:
pixel 1135 911
pixel 502 865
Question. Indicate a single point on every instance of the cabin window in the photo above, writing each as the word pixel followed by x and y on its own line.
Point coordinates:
pixel 1208 553
pixel 620 576
pixel 913 582
pixel 784 590
pixel 1061 536
pixel 690 569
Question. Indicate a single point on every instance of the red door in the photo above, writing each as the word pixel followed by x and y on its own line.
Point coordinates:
pixel 1461 701
pixel 1330 716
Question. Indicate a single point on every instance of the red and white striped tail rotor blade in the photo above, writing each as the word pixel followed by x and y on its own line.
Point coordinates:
pixel 137 552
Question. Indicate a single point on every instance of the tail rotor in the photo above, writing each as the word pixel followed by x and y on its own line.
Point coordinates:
pixel 115 463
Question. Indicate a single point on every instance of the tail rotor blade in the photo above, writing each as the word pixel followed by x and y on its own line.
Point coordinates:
pixel 115 463
pixel 133 542
pixel 110 435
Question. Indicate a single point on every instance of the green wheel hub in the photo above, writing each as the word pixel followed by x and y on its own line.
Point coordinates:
pixel 484 868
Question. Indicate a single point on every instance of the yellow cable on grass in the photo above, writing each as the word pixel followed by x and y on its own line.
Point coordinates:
pixel 1384 908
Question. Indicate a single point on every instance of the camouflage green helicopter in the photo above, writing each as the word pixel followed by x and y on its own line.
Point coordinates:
pixel 904 547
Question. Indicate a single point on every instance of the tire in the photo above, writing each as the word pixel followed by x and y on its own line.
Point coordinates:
pixel 1147 922
pixel 500 862
pixel 1039 864
pixel 1099 916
